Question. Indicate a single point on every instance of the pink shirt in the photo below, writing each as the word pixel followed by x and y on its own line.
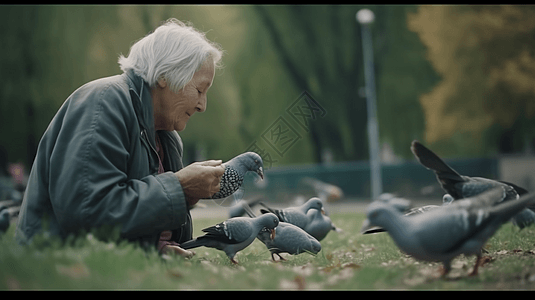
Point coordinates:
pixel 165 236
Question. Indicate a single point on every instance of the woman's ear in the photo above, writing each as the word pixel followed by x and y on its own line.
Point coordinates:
pixel 162 82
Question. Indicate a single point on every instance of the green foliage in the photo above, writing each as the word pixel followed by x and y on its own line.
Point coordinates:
pixel 272 55
pixel 403 75
pixel 446 74
pixel 484 56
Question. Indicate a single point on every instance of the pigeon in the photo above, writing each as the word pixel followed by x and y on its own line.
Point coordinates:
pixel 235 170
pixel 325 191
pixel 409 212
pixel 5 219
pixel 441 234
pixel 234 234
pixel 524 218
pixel 403 205
pixel 319 224
pixel 459 186
pixel 296 215
pixel 288 239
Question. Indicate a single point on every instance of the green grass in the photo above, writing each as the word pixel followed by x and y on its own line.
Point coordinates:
pixel 348 261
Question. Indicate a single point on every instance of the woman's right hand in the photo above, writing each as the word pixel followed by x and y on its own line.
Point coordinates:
pixel 200 180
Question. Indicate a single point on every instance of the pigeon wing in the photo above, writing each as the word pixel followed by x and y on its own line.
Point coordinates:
pixel 431 161
pixel 447 176
pixel 231 231
pixel 268 209
pixel 219 234
pixel 230 182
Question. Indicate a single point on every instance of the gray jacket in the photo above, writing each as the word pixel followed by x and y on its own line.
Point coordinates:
pixel 96 165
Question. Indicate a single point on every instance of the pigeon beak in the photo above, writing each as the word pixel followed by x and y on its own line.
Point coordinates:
pixel 322 211
pixel 260 172
pixel 272 235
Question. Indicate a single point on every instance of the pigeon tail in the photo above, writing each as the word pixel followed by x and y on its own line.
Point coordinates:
pixel 195 243
pixel 521 191
pixel 431 161
pixel 268 210
pixel 374 230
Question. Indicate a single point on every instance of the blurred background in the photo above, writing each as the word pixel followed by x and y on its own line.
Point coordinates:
pixel 457 78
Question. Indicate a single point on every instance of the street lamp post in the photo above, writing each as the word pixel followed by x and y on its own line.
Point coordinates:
pixel 366 17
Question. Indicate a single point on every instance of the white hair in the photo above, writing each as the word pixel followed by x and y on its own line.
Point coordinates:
pixel 174 51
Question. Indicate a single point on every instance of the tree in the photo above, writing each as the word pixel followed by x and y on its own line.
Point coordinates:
pixel 320 52
pixel 485 58
pixel 320 48
pixel 403 74
pixel 272 55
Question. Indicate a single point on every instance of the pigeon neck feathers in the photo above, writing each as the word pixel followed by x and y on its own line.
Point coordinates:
pixel 244 162
pixel 268 221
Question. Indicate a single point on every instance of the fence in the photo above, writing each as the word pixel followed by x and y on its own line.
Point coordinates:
pixel 407 179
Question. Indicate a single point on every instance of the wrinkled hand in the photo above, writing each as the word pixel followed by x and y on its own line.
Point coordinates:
pixel 200 180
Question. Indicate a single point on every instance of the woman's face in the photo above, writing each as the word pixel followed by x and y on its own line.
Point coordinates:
pixel 173 110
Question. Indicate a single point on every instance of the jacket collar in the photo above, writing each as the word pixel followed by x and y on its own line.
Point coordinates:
pixel 142 101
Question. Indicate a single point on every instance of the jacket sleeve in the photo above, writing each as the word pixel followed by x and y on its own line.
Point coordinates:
pixel 89 166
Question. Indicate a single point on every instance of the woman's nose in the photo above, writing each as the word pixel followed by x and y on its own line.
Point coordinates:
pixel 201 106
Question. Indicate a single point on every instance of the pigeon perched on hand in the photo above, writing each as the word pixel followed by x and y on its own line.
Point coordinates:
pixel 288 239
pixel 459 186
pixel 441 234
pixel 235 170
pixel 296 215
pixel 234 234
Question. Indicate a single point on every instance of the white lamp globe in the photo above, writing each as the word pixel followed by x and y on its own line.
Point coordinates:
pixel 365 16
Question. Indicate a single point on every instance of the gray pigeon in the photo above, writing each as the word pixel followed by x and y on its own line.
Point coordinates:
pixel 235 170
pixel 404 206
pixel 319 224
pixel 441 234
pixel 524 218
pixel 458 186
pixel 325 191
pixel 296 215
pixel 288 239
pixel 409 212
pixel 234 234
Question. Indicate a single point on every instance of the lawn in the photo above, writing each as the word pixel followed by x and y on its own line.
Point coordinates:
pixel 347 261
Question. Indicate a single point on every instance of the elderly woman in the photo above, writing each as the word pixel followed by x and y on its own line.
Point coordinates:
pixel 112 156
